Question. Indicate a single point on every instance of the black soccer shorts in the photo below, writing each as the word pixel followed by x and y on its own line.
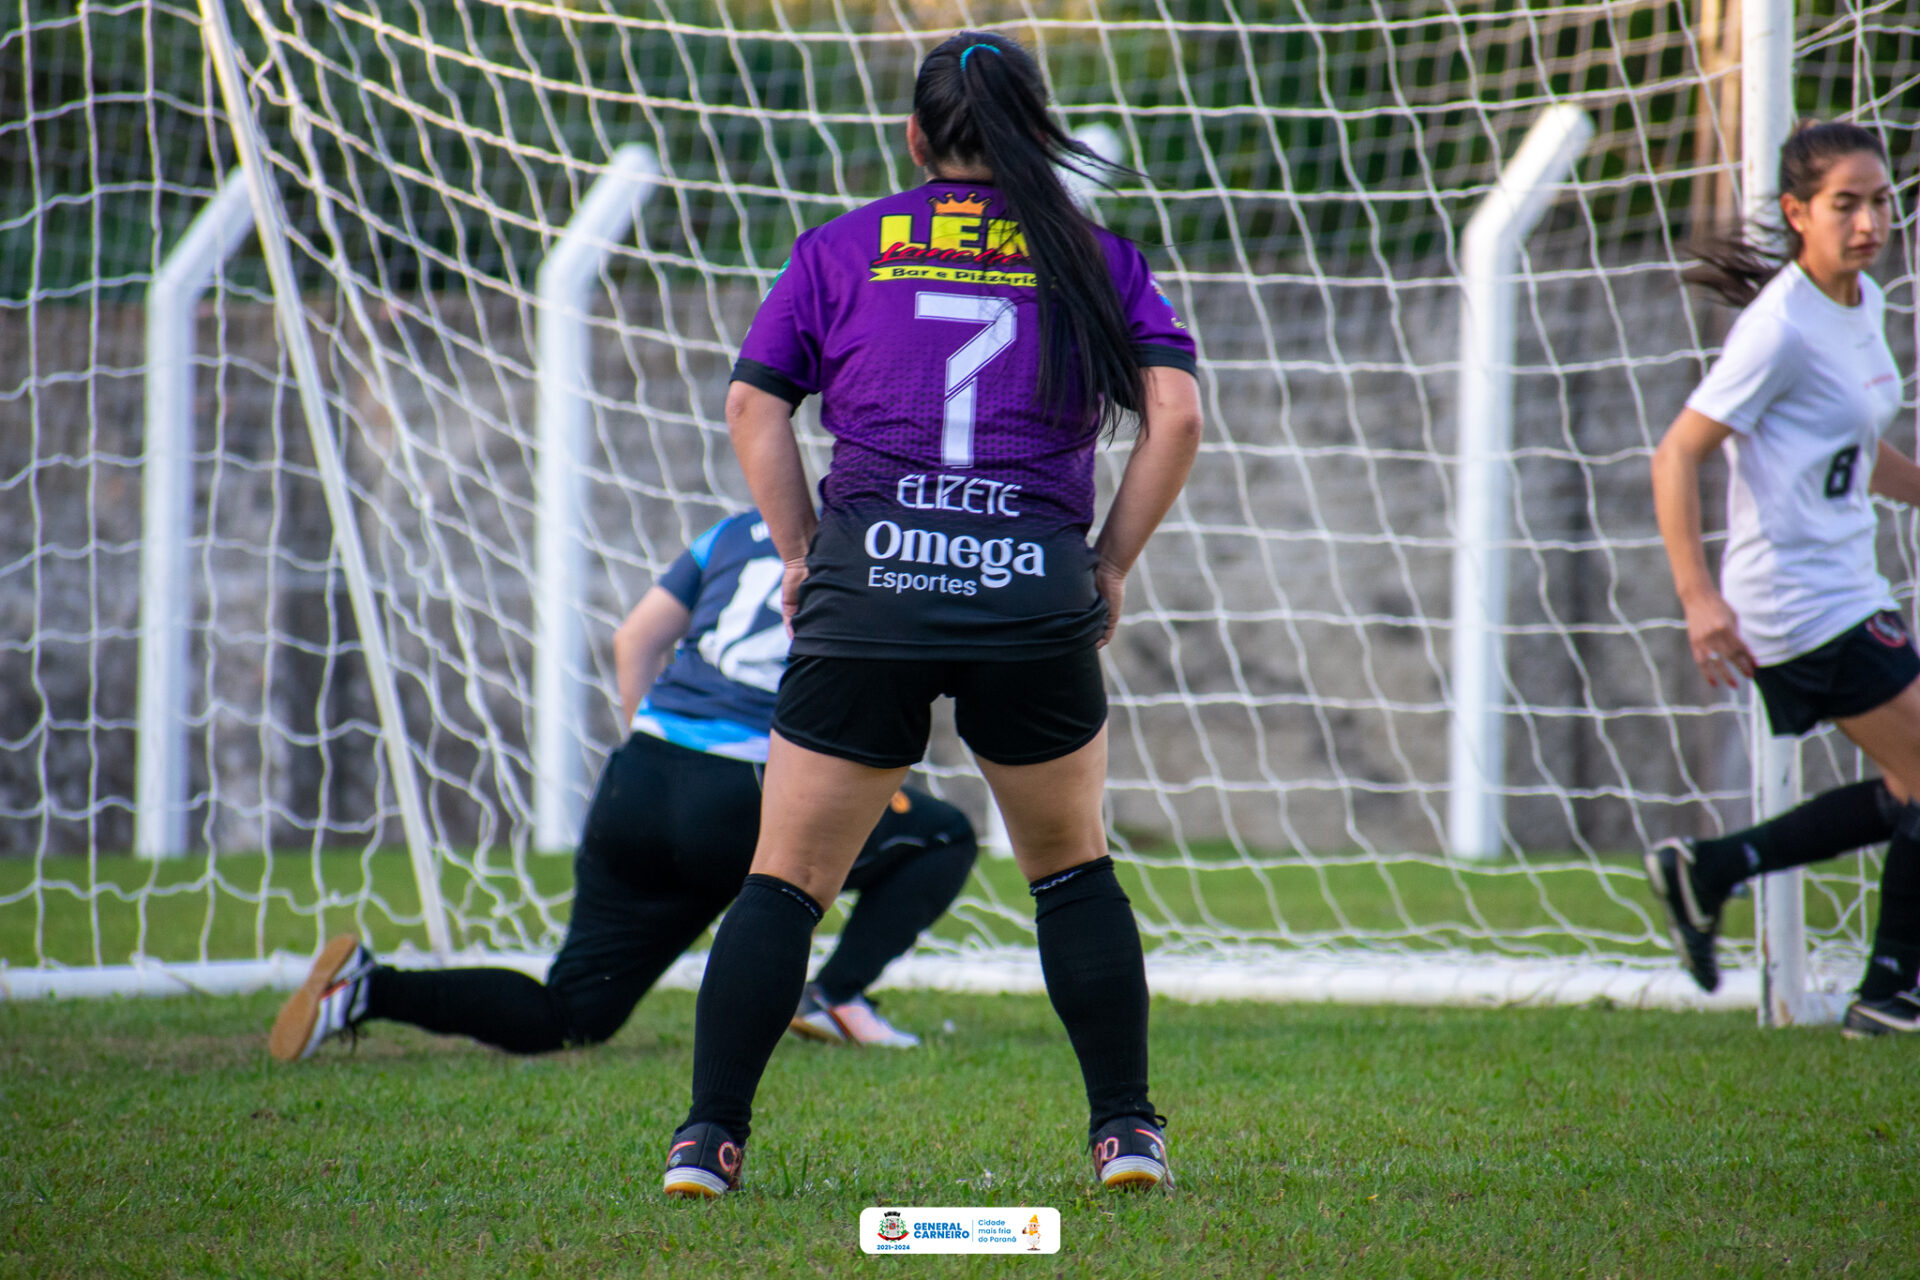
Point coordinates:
pixel 1864 667
pixel 879 711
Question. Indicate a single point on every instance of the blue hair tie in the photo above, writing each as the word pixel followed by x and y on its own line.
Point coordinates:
pixel 968 52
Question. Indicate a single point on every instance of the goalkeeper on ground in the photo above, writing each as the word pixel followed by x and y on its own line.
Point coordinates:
pixel 668 841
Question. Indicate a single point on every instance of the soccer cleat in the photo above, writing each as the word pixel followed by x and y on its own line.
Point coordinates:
pixel 1896 1015
pixel 854 1022
pixel 1691 926
pixel 330 1002
pixel 1131 1152
pixel 703 1162
pixel 813 1019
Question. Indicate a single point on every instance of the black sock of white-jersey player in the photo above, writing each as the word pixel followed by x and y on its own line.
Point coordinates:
pixel 1826 826
pixel 1894 965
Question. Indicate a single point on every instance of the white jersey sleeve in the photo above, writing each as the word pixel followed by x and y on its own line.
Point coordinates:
pixel 1763 359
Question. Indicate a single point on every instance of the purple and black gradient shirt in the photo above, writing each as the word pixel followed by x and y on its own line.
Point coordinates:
pixel 954 517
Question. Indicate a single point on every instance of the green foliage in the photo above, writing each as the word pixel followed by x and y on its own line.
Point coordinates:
pixel 453 138
pixel 106 146
pixel 155 1138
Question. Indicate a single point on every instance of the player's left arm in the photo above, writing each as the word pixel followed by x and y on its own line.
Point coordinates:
pixel 643 645
pixel 1896 476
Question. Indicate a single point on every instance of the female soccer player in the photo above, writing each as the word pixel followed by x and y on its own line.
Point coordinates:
pixel 970 339
pixel 1801 397
pixel 667 843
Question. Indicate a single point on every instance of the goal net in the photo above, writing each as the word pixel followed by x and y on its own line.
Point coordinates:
pixel 331 687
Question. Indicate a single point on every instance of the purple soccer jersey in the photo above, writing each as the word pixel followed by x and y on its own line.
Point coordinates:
pixel 955 513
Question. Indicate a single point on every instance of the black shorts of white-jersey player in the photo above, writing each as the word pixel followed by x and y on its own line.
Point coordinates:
pixel 967 338
pixel 666 845
pixel 1801 396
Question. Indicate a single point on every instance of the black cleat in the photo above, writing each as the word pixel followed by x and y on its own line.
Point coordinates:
pixel 1690 924
pixel 1131 1152
pixel 1896 1015
pixel 703 1161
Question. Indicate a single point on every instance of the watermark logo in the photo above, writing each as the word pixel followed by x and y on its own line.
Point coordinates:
pixel 967 1230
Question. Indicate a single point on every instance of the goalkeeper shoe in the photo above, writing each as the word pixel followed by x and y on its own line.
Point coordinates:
pixel 1896 1015
pixel 854 1022
pixel 331 1002
pixel 1692 921
pixel 703 1161
pixel 1131 1152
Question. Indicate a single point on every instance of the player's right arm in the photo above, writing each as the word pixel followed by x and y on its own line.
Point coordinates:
pixel 761 426
pixel 643 644
pixel 1713 631
pixel 779 366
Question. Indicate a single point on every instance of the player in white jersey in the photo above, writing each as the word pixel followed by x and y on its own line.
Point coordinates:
pixel 1800 398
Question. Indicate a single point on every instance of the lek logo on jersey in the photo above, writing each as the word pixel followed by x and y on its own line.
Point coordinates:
pixel 957 242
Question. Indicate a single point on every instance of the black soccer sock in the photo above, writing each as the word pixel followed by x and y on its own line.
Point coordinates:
pixel 1894 965
pixel 1097 979
pixel 500 1007
pixel 755 971
pixel 889 914
pixel 1832 823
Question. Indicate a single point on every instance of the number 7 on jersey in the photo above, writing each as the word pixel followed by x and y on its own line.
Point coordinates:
pixel 964 365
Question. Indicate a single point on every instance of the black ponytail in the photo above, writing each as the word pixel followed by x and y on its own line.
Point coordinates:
pixel 1734 266
pixel 980 99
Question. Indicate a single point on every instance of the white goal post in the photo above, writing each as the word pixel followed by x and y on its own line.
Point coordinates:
pixel 1489 296
pixel 1401 690
pixel 1787 996
pixel 166 509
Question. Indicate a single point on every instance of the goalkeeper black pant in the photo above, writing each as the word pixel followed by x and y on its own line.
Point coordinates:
pixel 667 844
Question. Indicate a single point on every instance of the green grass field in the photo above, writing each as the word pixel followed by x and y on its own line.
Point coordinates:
pixel 106 909
pixel 154 1137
